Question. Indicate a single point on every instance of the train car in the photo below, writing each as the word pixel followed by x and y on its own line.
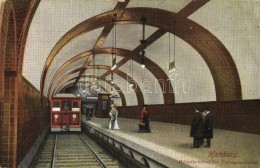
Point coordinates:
pixel 65 113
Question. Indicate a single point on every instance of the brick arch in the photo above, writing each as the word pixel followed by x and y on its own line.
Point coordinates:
pixel 122 96
pixel 10 48
pixel 150 65
pixel 4 43
pixel 67 63
pixel 214 53
pixel 22 7
pixel 139 94
pixel 8 86
pixel 158 74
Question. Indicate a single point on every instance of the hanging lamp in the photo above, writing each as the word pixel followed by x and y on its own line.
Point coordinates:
pixel 172 67
pixel 114 45
pixel 143 41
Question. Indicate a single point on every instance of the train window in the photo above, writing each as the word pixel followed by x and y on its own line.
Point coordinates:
pixel 75 106
pixel 66 105
pixel 55 106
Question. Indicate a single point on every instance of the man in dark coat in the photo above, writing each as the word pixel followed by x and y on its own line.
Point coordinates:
pixel 196 130
pixel 90 112
pixel 84 109
pixel 208 128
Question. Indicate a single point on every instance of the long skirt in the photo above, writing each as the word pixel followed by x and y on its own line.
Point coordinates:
pixel 116 125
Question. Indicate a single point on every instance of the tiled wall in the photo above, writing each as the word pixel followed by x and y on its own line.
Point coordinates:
pixel 24 117
pixel 242 116
pixel 22 114
pixel 9 120
pixel 33 117
pixel 2 50
pixel 8 84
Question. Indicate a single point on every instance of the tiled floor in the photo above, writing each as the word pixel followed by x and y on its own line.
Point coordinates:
pixel 229 149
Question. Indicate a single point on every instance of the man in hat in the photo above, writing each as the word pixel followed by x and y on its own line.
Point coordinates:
pixel 208 129
pixel 196 130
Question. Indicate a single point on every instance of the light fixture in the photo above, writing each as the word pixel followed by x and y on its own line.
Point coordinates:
pixel 172 67
pixel 129 67
pixel 132 67
pixel 143 41
pixel 142 59
pixel 94 69
pixel 113 67
pixel 143 26
pixel 143 66
pixel 114 64
pixel 114 45
pixel 85 80
pixel 131 71
pixel 98 81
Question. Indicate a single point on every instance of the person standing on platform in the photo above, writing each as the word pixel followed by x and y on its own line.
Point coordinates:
pixel 87 112
pixel 208 126
pixel 116 123
pixel 90 112
pixel 196 130
pixel 113 115
pixel 144 125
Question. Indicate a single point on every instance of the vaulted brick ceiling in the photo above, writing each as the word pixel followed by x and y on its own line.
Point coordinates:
pixel 87 27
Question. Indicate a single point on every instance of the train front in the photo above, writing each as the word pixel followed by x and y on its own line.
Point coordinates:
pixel 65 113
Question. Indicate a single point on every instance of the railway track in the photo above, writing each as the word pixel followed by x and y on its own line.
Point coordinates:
pixel 43 157
pixel 71 150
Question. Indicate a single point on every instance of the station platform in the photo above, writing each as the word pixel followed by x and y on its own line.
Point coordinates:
pixel 228 149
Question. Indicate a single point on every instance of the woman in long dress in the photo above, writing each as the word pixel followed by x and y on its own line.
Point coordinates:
pixel 116 124
pixel 144 125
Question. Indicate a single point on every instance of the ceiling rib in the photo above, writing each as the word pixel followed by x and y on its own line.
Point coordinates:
pixel 139 94
pixel 193 6
pixel 159 74
pixel 105 32
pixel 155 36
pixel 185 12
pixel 72 60
pixel 208 46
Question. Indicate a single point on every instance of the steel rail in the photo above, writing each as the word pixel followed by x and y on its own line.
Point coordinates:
pixel 54 153
pixel 98 159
